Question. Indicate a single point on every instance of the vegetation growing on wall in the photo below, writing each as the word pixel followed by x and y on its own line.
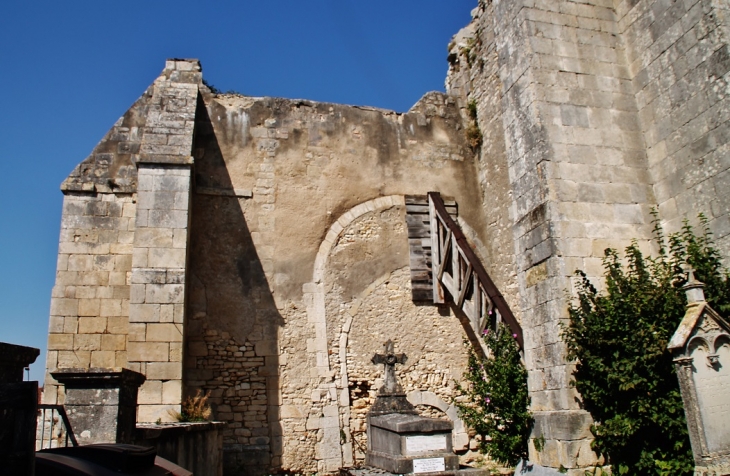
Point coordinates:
pixel 496 400
pixel 619 338
pixel 473 133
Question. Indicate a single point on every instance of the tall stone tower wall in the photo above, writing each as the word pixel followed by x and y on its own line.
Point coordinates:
pixel 592 113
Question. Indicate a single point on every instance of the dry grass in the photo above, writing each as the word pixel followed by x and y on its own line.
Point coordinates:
pixel 193 409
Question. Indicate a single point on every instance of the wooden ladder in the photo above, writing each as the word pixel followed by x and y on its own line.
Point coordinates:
pixel 445 269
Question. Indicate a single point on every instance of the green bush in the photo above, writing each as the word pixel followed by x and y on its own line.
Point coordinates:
pixel 619 339
pixel 497 402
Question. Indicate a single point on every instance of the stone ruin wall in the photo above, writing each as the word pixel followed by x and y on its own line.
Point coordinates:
pixel 89 318
pixel 368 289
pixel 590 112
pixel 248 261
pixel 315 219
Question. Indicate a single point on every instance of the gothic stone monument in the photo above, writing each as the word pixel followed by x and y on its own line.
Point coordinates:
pixel 399 440
pixel 701 349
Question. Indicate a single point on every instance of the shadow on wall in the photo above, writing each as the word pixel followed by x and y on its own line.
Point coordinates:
pixel 232 344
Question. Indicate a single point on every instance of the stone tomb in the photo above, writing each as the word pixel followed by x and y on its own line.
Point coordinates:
pixel 101 403
pixel 400 440
pixel 701 350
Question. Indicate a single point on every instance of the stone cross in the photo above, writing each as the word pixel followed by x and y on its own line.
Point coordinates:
pixel 389 359
pixel 693 288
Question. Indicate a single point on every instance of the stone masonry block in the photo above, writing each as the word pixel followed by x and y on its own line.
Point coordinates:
pixel 137 294
pixel 176 354
pixel 87 342
pixel 144 312
pixel 156 200
pixel 117 325
pixel 92 325
pixel 79 359
pixel 164 333
pixel 137 332
pixel 168 219
pixel 150 392
pixel 148 276
pixel 179 183
pixel 55 324
pixel 113 342
pixel 148 351
pixel 175 276
pixel 172 392
pixel 139 257
pixel 70 324
pixel 180 238
pixel 166 258
pixel 64 307
pixel 153 238
pixel 110 307
pixel 164 370
pixel 574 116
pixel 167 312
pixel 60 341
pixel 164 293
pixel 178 313
pixel 79 262
pixel 562 425
pixel 103 359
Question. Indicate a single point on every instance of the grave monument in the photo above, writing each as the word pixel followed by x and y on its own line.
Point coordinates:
pixel 701 350
pixel 399 440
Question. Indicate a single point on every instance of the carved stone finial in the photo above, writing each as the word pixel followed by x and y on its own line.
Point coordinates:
pixel 694 289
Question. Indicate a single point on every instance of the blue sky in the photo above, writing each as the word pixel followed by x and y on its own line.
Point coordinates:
pixel 70 69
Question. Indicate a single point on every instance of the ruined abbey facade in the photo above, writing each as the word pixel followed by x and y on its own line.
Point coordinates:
pixel 257 248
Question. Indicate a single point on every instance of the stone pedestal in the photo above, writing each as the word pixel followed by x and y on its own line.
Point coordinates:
pixel 101 403
pixel 409 443
pixel 18 408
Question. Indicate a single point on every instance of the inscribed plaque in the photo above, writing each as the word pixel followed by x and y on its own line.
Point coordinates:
pixel 428 465
pixel 425 443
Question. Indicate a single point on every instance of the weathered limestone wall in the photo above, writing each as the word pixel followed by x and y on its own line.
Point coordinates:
pixel 368 283
pixel 678 60
pixel 90 301
pixel 608 108
pixel 281 189
pixel 577 172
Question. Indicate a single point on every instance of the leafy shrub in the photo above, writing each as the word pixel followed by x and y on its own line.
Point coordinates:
pixel 497 402
pixel 193 409
pixel 624 371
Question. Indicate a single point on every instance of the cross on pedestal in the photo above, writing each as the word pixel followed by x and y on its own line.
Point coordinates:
pixel 694 289
pixel 389 359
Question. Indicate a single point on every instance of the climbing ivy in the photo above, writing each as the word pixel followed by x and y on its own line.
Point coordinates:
pixel 495 400
pixel 624 372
